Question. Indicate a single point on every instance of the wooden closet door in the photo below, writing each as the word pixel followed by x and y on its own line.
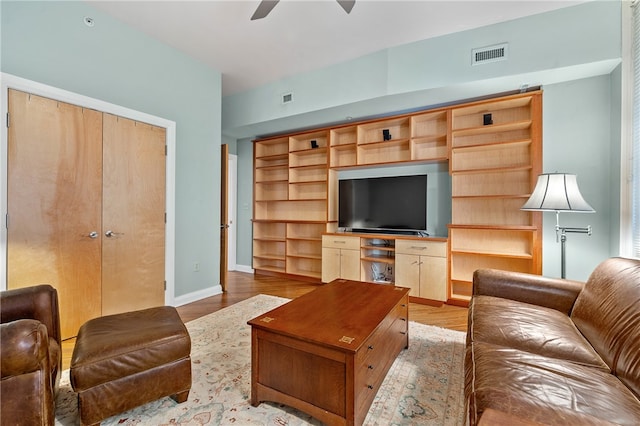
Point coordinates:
pixel 54 193
pixel 133 233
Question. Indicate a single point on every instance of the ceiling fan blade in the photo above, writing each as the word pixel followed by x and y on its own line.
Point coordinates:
pixel 347 5
pixel 264 8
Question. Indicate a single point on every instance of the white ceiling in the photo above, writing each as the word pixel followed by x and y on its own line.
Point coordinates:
pixel 303 35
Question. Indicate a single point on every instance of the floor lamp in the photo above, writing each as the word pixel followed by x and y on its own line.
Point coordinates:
pixel 558 192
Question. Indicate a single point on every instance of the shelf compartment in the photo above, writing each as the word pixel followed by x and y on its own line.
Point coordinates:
pixel 269 231
pixel 463 265
pixel 308 191
pixel 270 191
pixel 304 249
pixel 399 128
pixel 514 154
pixel 315 210
pixel 306 231
pixel 272 265
pixel 281 160
pixel 429 148
pixel 492 242
pixel 343 136
pixel 314 173
pixel 272 174
pixel 271 147
pixel 489 211
pixel 491 135
pixel 343 155
pixel 302 142
pixel 461 290
pixel 506 111
pixel 309 157
pixel 272 250
pixel 306 267
pixel 432 124
pixel 501 182
pixel 384 152
pixel 377 270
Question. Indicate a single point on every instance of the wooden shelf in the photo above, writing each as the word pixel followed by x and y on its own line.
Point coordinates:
pixel 378 259
pixel 494 254
pixel 493 168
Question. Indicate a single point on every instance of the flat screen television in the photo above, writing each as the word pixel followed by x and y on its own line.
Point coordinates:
pixel 396 204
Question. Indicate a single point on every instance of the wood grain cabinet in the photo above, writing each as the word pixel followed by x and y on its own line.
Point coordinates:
pixel 422 266
pixel 340 258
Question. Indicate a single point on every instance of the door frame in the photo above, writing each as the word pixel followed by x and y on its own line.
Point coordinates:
pixel 232 204
pixel 9 81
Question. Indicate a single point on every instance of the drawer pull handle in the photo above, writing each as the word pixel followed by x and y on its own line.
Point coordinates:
pixel 403 319
pixel 370 387
pixel 403 305
pixel 418 248
pixel 370 367
pixel 403 332
pixel 339 242
pixel 370 347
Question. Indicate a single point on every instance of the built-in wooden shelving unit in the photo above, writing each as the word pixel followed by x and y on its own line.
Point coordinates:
pixel 493 148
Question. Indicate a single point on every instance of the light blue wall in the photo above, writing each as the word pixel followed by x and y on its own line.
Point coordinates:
pixel 566 44
pixel 573 53
pixel 48 42
pixel 577 132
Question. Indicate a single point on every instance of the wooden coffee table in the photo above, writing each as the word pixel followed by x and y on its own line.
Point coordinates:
pixel 327 352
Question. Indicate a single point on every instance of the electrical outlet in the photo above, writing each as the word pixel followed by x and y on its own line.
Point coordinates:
pixel 196 267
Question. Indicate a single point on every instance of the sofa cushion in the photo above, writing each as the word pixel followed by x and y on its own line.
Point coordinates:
pixel 530 328
pixel 607 314
pixel 545 390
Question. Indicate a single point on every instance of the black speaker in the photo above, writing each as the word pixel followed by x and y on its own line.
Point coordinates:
pixel 314 144
pixel 386 135
pixel 487 119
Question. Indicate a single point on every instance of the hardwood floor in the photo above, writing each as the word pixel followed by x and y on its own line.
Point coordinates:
pixel 242 286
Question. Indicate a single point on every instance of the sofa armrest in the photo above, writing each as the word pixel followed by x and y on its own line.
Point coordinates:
pixel 555 293
pixel 39 302
pixel 25 348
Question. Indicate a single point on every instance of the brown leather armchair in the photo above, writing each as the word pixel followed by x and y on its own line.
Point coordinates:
pixel 30 355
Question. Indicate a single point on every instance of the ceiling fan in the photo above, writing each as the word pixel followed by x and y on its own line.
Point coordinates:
pixel 266 6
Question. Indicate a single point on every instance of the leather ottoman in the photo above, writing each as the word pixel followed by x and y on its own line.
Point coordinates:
pixel 125 360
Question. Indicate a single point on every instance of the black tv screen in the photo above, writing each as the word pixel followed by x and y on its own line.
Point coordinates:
pixel 397 203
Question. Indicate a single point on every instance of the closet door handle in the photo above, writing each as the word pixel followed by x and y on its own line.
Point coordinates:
pixel 111 234
pixel 93 234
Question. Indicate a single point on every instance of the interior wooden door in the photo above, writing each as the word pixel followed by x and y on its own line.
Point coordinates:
pixel 133 232
pixel 224 215
pixel 54 193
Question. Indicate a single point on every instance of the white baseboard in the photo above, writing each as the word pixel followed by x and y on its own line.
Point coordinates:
pixel 197 295
pixel 244 268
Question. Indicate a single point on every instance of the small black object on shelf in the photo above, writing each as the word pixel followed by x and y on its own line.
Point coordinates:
pixel 386 135
pixel 487 119
pixel 314 144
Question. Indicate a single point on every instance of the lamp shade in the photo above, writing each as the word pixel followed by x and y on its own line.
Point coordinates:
pixel 557 192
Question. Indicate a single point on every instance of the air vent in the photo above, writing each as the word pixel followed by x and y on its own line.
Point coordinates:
pixel 485 55
pixel 287 97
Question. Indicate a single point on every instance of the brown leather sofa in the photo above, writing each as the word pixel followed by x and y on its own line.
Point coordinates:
pixel 555 352
pixel 30 357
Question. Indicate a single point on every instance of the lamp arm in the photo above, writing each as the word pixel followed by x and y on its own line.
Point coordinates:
pixel 585 230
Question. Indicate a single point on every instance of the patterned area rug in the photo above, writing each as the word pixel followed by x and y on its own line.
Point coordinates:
pixel 423 386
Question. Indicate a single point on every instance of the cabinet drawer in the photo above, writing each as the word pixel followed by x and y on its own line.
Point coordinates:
pixel 425 248
pixel 339 241
pixel 374 359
